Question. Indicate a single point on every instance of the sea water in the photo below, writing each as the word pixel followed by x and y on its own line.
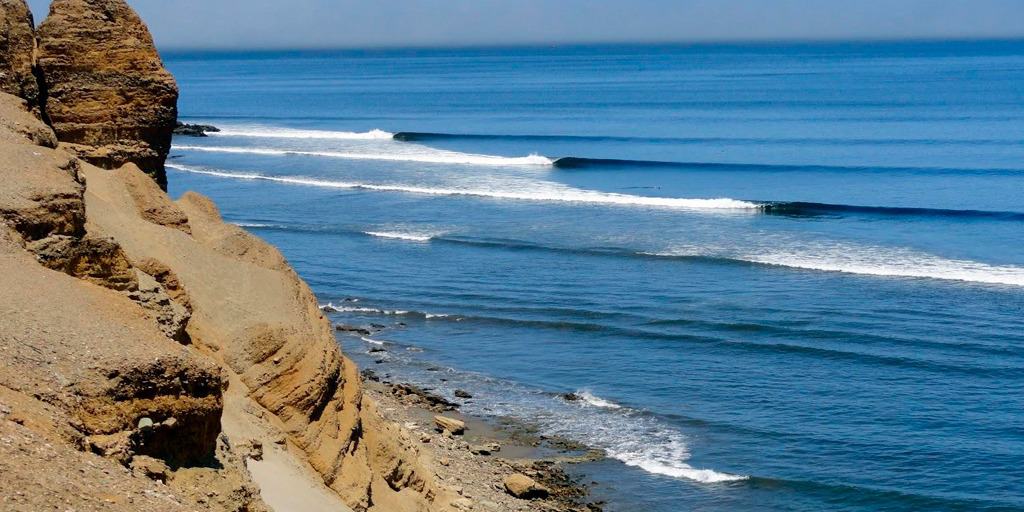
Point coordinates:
pixel 779 277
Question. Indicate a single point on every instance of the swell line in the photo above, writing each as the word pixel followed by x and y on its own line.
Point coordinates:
pixel 596 329
pixel 440 136
pixel 583 163
pixel 810 209
pixel 894 264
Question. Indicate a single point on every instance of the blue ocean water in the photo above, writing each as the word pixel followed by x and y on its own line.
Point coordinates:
pixel 781 277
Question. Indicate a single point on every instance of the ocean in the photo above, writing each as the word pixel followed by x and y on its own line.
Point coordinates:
pixel 781 277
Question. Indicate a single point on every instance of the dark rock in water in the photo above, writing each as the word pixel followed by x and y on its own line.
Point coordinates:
pixel 194 130
pixel 370 375
pixel 376 350
pixel 571 397
pixel 413 395
pixel 462 394
pixel 353 329
pixel 485 449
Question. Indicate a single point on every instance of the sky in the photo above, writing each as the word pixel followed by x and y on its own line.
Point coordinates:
pixel 226 24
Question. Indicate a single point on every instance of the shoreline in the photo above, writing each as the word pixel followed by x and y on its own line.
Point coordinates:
pixel 476 463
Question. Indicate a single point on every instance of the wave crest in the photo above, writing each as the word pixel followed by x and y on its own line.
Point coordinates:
pixel 430 156
pixel 591 399
pixel 398 235
pixel 269 132
pixel 532 192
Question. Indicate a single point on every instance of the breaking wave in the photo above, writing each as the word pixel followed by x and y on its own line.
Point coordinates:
pixel 292 133
pixel 591 399
pixel 427 155
pixel 546 192
pixel 865 260
pixel 634 437
pixel 398 235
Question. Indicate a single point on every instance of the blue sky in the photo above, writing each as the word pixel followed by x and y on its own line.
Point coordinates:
pixel 352 23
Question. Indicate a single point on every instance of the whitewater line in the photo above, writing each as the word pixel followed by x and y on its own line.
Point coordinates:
pixel 435 157
pixel 869 261
pixel 566 195
pixel 292 133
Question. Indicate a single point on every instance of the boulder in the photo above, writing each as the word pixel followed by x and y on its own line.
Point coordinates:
pixel 17 44
pixel 151 468
pixel 485 449
pixel 452 425
pixel 524 487
pixel 108 96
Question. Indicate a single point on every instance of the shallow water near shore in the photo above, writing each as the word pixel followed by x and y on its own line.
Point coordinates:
pixel 776 277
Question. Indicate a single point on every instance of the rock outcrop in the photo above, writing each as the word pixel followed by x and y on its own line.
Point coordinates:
pixel 252 313
pixel 524 487
pixel 17 44
pixel 107 94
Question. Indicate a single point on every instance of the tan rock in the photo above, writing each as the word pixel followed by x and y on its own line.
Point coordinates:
pixel 148 467
pixel 151 202
pixel 41 193
pixel 95 259
pixel 524 487
pixel 104 361
pixel 252 311
pixel 17 44
pixel 108 96
pixel 450 425
pixel 18 125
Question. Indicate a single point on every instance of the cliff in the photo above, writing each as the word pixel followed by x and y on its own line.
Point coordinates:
pixel 156 357
pixel 17 44
pixel 105 91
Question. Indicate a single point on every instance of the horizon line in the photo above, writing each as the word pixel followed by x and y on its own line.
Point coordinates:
pixel 571 44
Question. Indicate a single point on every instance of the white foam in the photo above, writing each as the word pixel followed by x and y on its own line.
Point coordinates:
pixel 420 154
pixel 397 235
pixel 372 341
pixel 668 461
pixel 530 192
pixel 596 401
pixel 632 437
pixel 291 133
pixel 865 260
pixel 331 308
pixel 927 266
pixel 252 225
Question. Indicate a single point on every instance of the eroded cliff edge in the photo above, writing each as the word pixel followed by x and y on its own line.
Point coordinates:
pixel 154 356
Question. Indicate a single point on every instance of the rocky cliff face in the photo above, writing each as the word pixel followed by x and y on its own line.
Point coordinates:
pixel 17 44
pixel 145 339
pixel 107 94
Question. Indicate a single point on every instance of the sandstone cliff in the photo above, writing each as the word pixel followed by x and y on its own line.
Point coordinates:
pixel 107 94
pixel 17 44
pixel 147 341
